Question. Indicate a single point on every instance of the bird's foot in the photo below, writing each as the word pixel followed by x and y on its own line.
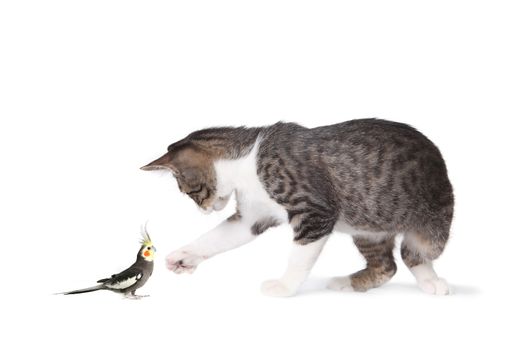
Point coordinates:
pixel 135 296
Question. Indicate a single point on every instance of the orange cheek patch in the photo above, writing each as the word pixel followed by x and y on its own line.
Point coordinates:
pixel 146 253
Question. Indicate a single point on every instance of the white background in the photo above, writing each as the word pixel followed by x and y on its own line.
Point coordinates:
pixel 92 90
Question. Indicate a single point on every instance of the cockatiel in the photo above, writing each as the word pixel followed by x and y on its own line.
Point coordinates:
pixel 131 279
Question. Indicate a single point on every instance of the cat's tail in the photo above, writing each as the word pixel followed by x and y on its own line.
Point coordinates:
pixel 85 290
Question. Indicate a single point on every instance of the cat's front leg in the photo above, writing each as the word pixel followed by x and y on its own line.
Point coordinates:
pixel 302 259
pixel 228 235
pixel 184 260
pixel 311 231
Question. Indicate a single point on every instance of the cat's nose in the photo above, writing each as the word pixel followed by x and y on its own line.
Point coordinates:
pixel 220 203
pixel 205 210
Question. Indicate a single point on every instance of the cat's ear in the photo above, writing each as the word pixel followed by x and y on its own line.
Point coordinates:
pixel 163 163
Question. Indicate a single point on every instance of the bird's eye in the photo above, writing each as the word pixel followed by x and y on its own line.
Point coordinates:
pixel 149 248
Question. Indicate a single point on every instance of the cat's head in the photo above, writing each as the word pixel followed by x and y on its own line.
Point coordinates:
pixel 193 169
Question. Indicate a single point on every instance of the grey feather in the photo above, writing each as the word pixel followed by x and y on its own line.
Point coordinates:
pixel 85 290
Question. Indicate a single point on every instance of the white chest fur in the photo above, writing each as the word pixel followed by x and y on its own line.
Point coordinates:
pixel 240 175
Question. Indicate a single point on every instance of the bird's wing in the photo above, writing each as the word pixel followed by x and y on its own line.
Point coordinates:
pixel 123 280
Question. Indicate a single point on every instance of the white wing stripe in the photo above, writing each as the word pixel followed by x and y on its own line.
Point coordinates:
pixel 125 283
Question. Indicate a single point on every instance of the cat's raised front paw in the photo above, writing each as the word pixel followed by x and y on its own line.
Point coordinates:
pixel 275 288
pixel 181 261
pixel 436 286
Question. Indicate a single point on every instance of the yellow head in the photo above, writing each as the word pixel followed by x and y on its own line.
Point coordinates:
pixel 147 251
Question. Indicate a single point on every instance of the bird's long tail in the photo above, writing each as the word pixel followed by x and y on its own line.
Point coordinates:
pixel 85 290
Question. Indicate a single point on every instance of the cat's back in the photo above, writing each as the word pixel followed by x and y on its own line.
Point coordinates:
pixel 368 131
pixel 358 135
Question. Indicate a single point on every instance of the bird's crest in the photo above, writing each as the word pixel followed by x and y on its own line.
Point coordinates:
pixel 146 239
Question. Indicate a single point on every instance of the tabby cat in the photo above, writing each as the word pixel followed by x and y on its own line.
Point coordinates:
pixel 371 178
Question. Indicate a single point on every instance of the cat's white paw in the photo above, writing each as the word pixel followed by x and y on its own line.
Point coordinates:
pixel 437 286
pixel 342 283
pixel 275 288
pixel 181 261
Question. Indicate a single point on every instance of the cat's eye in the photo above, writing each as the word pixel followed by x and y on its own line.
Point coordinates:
pixel 195 191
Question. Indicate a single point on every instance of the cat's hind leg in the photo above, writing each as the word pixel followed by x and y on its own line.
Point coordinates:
pixel 380 266
pixel 418 251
